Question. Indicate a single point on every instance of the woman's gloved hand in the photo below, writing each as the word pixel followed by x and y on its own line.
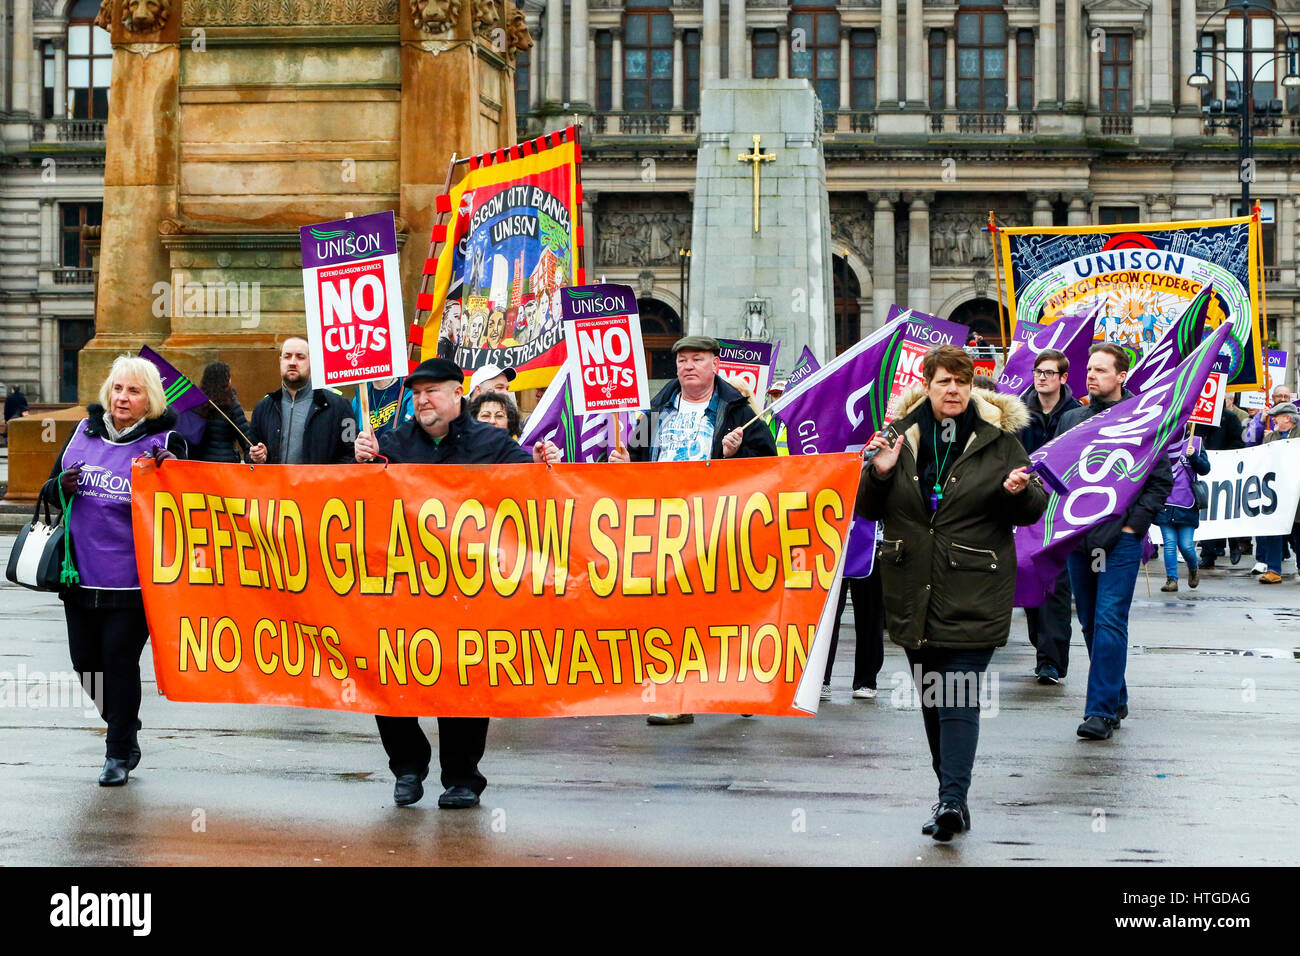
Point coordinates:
pixel 68 480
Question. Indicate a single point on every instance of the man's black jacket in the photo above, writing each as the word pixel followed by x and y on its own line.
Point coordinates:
pixel 1044 426
pixel 329 435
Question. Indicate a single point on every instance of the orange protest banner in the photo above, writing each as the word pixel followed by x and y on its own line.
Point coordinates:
pixel 497 591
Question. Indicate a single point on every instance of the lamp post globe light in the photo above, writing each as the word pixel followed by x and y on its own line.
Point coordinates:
pixel 1242 113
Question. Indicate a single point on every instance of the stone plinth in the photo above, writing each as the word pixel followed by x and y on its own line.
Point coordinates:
pixel 34 442
pixel 776 283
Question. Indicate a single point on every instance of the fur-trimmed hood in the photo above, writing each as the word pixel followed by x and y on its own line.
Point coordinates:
pixel 1003 411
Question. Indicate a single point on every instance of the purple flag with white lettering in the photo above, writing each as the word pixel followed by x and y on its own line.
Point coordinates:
pixel 579 437
pixel 1176 344
pixel 1098 467
pixel 1071 334
pixel 806 365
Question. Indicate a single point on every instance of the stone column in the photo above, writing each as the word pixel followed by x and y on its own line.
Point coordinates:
pixel 589 197
pixel 918 252
pixel 916 71
pixel 1046 46
pixel 749 50
pixel 711 42
pixel 1286 233
pixel 887 56
pixel 1094 79
pixel 578 52
pixel 1078 212
pixel 1013 93
pixel 22 56
pixel 555 51
pixel 950 73
pixel 616 70
pixel 1042 211
pixel 882 267
pixel 49 247
pixel 783 52
pixel 49 358
pixel 534 71
pixel 1140 89
pixel 1160 48
pixel 737 55
pixel 60 45
pixel 1160 208
pixel 679 69
pixel 1189 97
pixel 35 88
pixel 846 69
pixel 1074 54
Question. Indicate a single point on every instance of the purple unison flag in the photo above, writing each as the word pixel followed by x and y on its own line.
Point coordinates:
pixel 182 394
pixel 1175 345
pixel 1071 334
pixel 806 365
pixel 580 438
pixel 1103 462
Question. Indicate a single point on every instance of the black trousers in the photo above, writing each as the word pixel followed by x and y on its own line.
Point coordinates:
pixel 461 742
pixel 105 646
pixel 1050 624
pixel 950 707
pixel 868 625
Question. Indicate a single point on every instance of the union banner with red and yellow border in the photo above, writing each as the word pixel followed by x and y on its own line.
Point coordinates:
pixel 495 590
pixel 1142 275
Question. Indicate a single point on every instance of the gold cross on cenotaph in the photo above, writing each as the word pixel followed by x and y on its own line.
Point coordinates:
pixel 756 157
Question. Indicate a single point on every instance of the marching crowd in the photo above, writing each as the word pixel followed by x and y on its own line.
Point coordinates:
pixel 945 484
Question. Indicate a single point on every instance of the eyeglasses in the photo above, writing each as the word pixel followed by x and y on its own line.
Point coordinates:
pixel 1045 372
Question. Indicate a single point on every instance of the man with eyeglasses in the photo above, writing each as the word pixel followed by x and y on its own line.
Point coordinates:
pixel 1049 625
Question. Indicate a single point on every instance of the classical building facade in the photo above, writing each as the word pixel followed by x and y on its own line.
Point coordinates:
pixel 56 69
pixel 1045 112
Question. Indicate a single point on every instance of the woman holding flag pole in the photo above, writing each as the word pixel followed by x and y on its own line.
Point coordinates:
pixel 949 481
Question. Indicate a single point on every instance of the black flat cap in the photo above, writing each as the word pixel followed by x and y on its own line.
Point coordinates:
pixel 436 370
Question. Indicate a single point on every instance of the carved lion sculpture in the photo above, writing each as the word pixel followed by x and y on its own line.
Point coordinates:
pixel 104 19
pixel 518 39
pixel 435 16
pixel 145 16
pixel 486 14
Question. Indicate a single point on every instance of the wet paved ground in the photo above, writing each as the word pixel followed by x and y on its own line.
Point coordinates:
pixel 1206 770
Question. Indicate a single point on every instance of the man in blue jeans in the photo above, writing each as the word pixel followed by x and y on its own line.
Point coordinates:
pixel 1104 569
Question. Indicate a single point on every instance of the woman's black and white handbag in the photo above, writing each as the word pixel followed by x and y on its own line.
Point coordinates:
pixel 37 558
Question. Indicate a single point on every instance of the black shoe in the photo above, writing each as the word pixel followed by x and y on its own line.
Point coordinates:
pixel 1121 712
pixel 458 798
pixel 952 818
pixel 1096 728
pixel 115 773
pixel 1047 674
pixel 930 825
pixel 1207 561
pixel 1234 552
pixel 409 789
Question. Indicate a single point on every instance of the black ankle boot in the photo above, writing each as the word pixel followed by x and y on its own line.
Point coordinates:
pixel 115 773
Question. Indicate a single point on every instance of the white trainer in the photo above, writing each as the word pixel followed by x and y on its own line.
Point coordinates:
pixel 864 693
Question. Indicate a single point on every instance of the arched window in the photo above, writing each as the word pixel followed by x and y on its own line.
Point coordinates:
pixel 848 314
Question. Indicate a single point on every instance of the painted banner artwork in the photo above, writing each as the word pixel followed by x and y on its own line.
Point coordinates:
pixel 495 590
pixel 602 335
pixel 1143 276
pixel 513 240
pixel 748 365
pixel 352 289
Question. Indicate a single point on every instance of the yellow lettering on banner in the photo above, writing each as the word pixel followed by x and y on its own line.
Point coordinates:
pixel 164 505
pixel 340 582
pixel 265 664
pixel 634 642
pixel 503 659
pixel 653 637
pixel 392 656
pixel 338 664
pixel 220 537
pixel 792 538
pixel 428 677
pixel 226 664
pixel 264 538
pixel 756 505
pixel 469 584
pixel 400 558
pixel 602 585
pixel 671 545
pixel 744 653
pixel 194 646
pixel 733 566
pixel 311 633
pixel 465 637
pixel 724 633
pixel 611 637
pixel 765 675
pixel 796 651
pixel 550 544
pixel 292 668
pixel 370 583
pixel 634 544
pixel 237 508
pixel 200 573
pixel 692 658
pixel 507 511
pixel 550 662
pixel 581 660
pixel 434 584
pixel 826 499
pixel 291 515
pixel 706 552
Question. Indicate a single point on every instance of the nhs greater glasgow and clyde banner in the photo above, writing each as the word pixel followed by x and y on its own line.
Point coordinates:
pixel 1142 276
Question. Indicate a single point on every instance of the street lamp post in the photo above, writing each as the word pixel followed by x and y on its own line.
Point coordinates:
pixel 683 260
pixel 1247 120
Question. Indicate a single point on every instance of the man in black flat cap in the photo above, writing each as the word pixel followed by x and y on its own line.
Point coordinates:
pixel 697 417
pixel 441 433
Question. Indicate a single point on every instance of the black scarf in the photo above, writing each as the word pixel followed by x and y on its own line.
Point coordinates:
pixel 934 456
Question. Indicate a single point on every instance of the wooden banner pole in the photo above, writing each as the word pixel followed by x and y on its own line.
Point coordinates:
pixel 997 295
